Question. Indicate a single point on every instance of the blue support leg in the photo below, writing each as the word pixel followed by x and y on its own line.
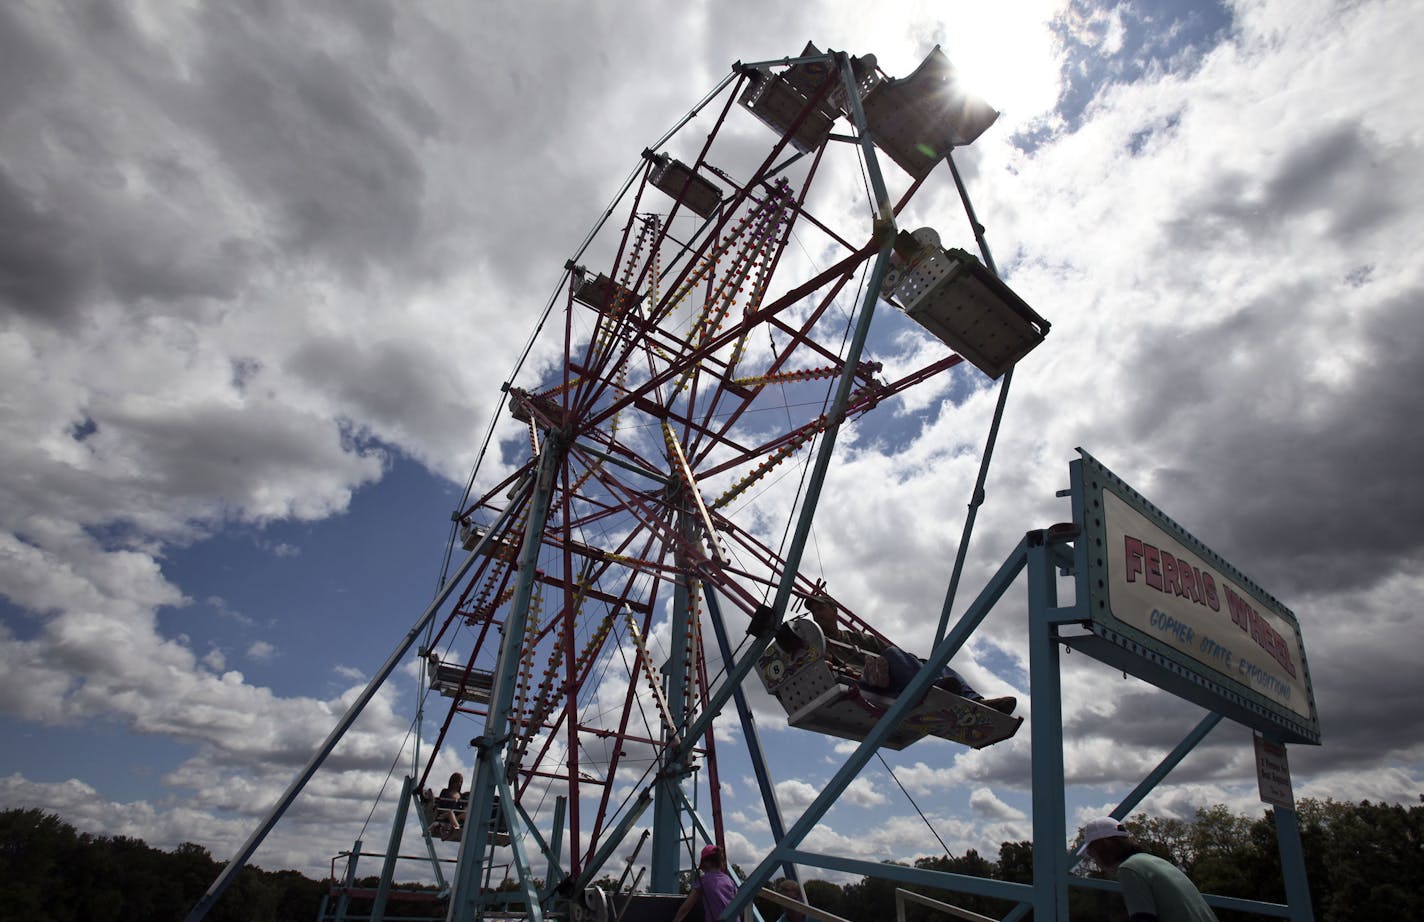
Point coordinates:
pixel 534 912
pixel 388 867
pixel 1050 867
pixel 750 734
pixel 344 901
pixel 668 794
pixel 466 900
pixel 1293 865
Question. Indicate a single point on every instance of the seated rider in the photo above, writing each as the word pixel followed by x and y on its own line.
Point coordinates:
pixel 901 666
pixel 450 806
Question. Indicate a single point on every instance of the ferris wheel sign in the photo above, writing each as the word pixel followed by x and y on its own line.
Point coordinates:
pixel 1156 591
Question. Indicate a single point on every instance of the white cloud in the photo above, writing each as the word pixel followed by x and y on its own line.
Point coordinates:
pixel 261 650
pixel 241 291
pixel 986 805
pixel 863 793
pixel 795 795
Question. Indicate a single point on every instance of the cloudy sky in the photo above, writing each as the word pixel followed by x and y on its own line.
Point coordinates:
pixel 263 268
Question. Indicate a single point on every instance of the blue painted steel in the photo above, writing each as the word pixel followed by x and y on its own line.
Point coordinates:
pixel 1050 867
pixel 943 880
pixel 786 62
pixel 388 867
pixel 1169 762
pixel 556 834
pixel 528 821
pixel 556 874
pixel 905 703
pixel 667 795
pixel 244 854
pixel 976 499
pixel 750 734
pixel 631 815
pixel 444 888
pixel 885 216
pixel 1293 865
pixel 1188 743
pixel 533 910
pixel 433 854
pixel 465 894
pixel 344 901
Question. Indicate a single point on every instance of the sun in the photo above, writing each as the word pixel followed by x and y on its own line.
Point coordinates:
pixel 1007 55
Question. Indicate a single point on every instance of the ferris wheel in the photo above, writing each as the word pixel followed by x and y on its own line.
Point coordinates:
pixel 629 563
pixel 719 341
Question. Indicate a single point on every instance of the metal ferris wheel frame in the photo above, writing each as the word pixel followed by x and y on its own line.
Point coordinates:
pixel 623 520
pixel 688 386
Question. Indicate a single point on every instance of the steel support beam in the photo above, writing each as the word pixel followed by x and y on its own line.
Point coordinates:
pixel 393 844
pixel 465 899
pixel 1050 866
pixel 884 231
pixel 1293 865
pixel 940 880
pixel 750 734
pixel 668 795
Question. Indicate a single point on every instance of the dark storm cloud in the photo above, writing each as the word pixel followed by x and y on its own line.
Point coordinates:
pixel 24 68
pixel 177 141
pixel 1305 487
pixel 1369 712
pixel 40 271
pixel 1341 173
pixel 1366 687
pixel 392 383
pixel 309 131
pixel 1141 718
pixel 216 450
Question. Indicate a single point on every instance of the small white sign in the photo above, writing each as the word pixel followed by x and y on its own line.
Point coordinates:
pixel 1273 774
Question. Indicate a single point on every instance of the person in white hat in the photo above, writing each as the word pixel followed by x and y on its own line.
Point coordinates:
pixel 1155 890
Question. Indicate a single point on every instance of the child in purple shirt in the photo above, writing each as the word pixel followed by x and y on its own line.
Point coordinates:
pixel 714 889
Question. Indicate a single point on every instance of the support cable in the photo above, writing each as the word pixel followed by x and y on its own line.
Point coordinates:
pixel 928 824
pixel 384 784
pixel 977 498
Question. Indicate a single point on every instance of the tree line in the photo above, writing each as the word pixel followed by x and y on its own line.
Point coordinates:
pixel 1364 860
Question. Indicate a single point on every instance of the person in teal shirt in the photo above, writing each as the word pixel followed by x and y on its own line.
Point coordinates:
pixel 1154 890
